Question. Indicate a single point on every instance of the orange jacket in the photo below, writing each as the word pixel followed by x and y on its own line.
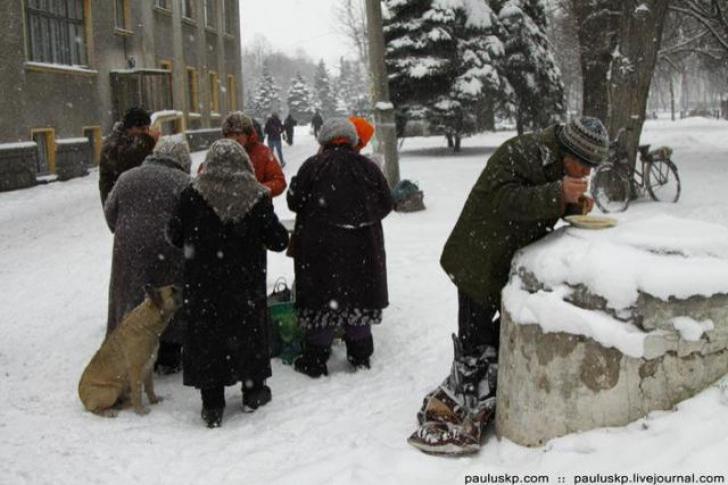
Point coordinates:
pixel 267 169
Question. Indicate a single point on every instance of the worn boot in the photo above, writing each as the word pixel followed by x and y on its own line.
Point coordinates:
pixel 359 351
pixel 312 361
pixel 453 416
pixel 255 395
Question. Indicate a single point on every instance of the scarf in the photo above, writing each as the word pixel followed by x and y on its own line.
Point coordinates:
pixel 228 183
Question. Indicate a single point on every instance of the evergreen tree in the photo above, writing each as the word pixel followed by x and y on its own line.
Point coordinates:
pixel 529 64
pixel 267 98
pixel 325 99
pixel 442 59
pixel 299 99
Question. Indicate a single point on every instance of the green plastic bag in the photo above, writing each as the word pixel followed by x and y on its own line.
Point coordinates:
pixel 286 336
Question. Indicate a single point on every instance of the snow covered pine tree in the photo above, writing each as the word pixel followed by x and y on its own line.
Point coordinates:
pixel 529 64
pixel 325 99
pixel 441 57
pixel 299 98
pixel 266 99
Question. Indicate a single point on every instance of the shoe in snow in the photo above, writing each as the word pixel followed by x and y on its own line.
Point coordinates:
pixel 212 417
pixel 256 397
pixel 440 438
pixel 312 361
pixel 359 351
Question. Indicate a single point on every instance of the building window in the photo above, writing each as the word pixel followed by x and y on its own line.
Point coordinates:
pixel 210 12
pixel 232 92
pixel 188 9
pixel 57 32
pixel 162 4
pixel 229 13
pixel 122 15
pixel 214 92
pixel 193 97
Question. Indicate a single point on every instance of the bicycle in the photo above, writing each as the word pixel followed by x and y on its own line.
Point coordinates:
pixel 616 182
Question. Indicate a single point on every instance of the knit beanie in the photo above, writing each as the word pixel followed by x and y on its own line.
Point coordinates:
pixel 237 122
pixel 136 117
pixel 338 131
pixel 586 138
pixel 364 131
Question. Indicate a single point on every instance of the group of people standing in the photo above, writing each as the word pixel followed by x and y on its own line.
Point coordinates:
pixel 209 234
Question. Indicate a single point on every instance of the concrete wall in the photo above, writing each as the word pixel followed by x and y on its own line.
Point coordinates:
pixel 552 384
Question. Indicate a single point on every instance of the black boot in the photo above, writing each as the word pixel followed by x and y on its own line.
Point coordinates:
pixel 213 406
pixel 359 351
pixel 212 417
pixel 255 395
pixel 313 361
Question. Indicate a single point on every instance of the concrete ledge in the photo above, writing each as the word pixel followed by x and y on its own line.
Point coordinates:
pixel 202 139
pixel 555 383
pixel 73 156
pixel 17 165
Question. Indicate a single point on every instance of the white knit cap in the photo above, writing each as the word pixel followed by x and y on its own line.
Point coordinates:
pixel 338 128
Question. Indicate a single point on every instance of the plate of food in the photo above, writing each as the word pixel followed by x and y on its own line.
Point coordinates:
pixel 591 222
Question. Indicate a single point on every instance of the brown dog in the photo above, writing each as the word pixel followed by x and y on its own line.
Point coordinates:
pixel 125 360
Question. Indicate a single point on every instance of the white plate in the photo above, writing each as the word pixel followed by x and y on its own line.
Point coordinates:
pixel 591 222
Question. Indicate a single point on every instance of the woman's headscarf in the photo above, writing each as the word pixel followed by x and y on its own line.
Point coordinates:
pixel 228 183
pixel 175 148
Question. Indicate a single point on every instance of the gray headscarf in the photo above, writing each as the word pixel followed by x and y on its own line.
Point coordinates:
pixel 228 182
pixel 175 147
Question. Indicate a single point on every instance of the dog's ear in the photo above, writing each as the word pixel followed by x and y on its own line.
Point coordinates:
pixel 154 295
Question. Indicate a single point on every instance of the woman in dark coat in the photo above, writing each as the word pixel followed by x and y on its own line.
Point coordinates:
pixel 137 212
pixel 224 223
pixel 340 198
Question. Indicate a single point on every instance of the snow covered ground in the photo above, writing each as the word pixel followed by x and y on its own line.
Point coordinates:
pixel 348 428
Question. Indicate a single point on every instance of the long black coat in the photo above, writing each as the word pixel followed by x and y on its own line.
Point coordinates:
pixel 340 198
pixel 225 290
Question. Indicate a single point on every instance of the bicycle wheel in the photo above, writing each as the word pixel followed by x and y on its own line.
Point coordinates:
pixel 663 182
pixel 611 189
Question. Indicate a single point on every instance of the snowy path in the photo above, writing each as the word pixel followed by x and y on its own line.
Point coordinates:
pixel 347 428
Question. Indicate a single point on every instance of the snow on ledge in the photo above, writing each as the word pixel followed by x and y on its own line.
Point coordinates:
pixel 552 313
pixel 663 256
pixel 71 141
pixel 18 145
pixel 165 115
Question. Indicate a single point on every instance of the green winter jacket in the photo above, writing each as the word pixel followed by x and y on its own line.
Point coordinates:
pixel 516 201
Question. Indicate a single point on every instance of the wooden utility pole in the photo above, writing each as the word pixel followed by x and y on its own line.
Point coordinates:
pixel 386 128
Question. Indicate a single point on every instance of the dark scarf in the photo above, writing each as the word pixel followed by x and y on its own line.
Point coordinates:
pixel 228 183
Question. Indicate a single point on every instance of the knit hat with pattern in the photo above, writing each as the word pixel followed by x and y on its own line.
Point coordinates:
pixel 586 138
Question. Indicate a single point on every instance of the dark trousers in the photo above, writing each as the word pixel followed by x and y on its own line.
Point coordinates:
pixel 323 337
pixel 169 354
pixel 213 398
pixel 478 325
pixel 277 146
